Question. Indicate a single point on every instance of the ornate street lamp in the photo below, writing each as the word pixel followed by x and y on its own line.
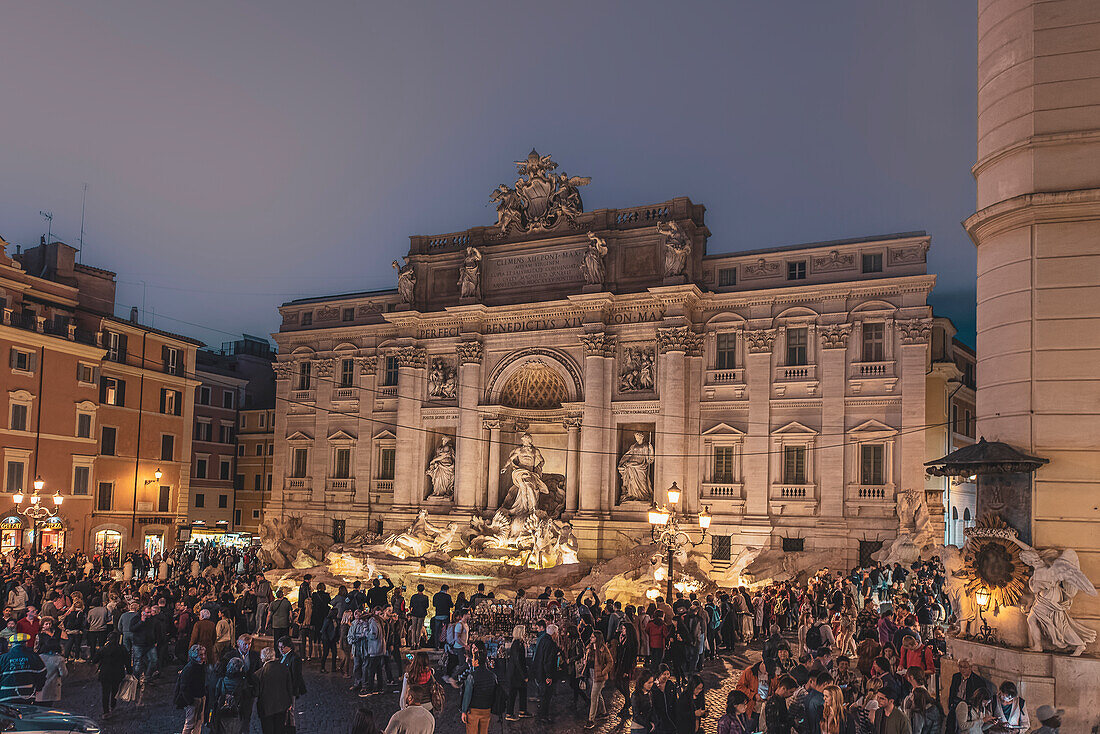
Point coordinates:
pixel 36 510
pixel 986 635
pixel 665 531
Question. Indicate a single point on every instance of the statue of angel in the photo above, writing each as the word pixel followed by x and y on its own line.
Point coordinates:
pixel 567 197
pixel 1054 584
pixel 677 248
pixel 509 207
pixel 406 280
pixel 592 267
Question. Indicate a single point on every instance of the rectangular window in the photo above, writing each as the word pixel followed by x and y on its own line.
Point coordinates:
pixel 727 277
pixel 20 360
pixel 255 514
pixel 874 342
pixel 794 545
pixel 229 399
pixel 167 447
pixel 203 431
pixel 348 314
pixel 872 262
pixel 796 270
pixel 171 357
pixel 268 482
pixel 240 449
pixel 720 547
pixel 338 530
pixel 204 396
pixel 342 470
pixel 723 463
pixel 969 425
pixel 794 464
pixel 307 318
pixel 171 402
pixel 83 425
pixel 164 501
pixel 389 375
pixel 387 463
pixel 15 472
pixel 257 483
pixel 105 500
pixel 872 464
pixel 223 501
pixel 224 469
pixel 200 500
pixel 271 449
pixel 259 449
pixel 82 477
pixel 955 419
pixel 797 340
pixel 237 517
pixel 301 456
pixel 200 468
pixel 263 419
pixel 304 375
pixel 107 441
pixel 347 372
pixel 112 391
pixel 238 482
pixel 85 373
pixel 225 433
pixel 115 344
pixel 18 417
pixel 727 351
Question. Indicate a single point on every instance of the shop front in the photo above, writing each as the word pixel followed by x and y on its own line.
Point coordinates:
pixel 11 533
pixel 108 544
pixel 201 534
pixel 51 532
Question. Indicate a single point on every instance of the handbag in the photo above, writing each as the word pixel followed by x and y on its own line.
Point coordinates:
pixel 128 689
pixel 439 696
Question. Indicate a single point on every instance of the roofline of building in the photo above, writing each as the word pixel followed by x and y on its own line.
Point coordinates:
pixel 825 243
pixel 340 296
pixel 151 329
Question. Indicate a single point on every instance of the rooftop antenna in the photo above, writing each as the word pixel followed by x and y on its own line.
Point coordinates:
pixel 48 216
pixel 80 251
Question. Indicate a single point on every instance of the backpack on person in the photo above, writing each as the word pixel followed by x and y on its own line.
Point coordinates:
pixel 715 618
pixel 179 697
pixel 814 640
pixel 229 704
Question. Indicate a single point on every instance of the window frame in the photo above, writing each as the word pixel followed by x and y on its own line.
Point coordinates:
pixel 109 505
pixel 87 463
pixel 114 440
pixel 172 448
pixel 796 270
pixel 804 333
pixel 727 277
pixel 875 258
pixel 872 341
pixel 725 358
pixel 866 473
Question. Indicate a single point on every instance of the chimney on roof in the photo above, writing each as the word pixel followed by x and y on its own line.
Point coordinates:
pixel 133 314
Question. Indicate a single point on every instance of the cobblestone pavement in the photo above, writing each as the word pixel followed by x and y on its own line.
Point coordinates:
pixel 329 707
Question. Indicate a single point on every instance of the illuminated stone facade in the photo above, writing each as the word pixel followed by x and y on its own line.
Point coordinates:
pixel 783 388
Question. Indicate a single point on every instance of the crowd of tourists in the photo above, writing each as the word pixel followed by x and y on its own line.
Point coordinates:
pixel 855 653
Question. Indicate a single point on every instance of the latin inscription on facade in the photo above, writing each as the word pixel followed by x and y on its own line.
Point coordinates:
pixel 539 323
pixel 511 272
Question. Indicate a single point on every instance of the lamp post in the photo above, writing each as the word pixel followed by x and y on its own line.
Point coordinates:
pixel 665 531
pixel 37 510
pixel 986 635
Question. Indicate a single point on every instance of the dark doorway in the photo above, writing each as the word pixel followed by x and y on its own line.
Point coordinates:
pixel 866 548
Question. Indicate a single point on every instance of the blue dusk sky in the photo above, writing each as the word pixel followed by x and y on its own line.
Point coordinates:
pixel 241 154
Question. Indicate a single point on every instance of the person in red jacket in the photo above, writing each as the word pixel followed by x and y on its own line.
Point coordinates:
pixel 30 625
pixel 657 632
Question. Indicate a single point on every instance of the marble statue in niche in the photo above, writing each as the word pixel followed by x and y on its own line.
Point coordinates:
pixel 525 464
pixel 592 267
pixel 636 374
pixel 634 469
pixel 469 277
pixel 677 248
pixel 441 469
pixel 442 383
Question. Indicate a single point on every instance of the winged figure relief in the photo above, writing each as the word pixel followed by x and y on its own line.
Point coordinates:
pixel 566 195
pixel 510 206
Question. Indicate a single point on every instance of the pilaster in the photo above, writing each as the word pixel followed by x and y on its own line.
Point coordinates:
pixel 408 474
pixel 319 459
pixel 491 500
pixel 914 335
pixel 467 444
pixel 758 377
pixel 572 463
pixel 598 349
pixel 831 473
pixel 673 344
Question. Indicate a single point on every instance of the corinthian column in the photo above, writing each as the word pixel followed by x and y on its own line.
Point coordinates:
pixel 598 348
pixel 673 344
pixel 492 485
pixel 572 464
pixel 468 445
pixel 409 472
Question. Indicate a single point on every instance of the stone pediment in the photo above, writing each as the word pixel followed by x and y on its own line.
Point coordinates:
pixel 723 429
pixel 385 435
pixel 873 427
pixel 341 435
pixel 794 428
pixel 299 436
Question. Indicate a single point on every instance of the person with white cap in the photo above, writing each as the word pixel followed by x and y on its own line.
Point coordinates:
pixel 1051 719
pixel 544 666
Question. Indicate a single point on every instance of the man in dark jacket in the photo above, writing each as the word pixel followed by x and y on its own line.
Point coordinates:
pixel 191 689
pixel 544 667
pixel 478 693
pixel 776 718
pixel 418 610
pixel 250 659
pixel 293 663
pixel 378 596
pixel 963 685
pixel 145 631
pixel 22 672
pixel 626 657
pixel 274 693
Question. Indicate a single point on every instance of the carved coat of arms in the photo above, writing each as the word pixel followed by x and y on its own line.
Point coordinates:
pixel 540 199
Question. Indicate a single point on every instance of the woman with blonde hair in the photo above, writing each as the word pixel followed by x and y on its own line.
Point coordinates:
pixel 864 707
pixel 516 674
pixel 834 717
pixel 846 636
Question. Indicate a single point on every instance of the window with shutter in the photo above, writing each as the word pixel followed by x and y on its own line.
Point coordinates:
pixel 81 479
pixel 18 417
pixel 106 497
pixel 165 499
pixel 107 440
pixel 167 447
pixel 15 476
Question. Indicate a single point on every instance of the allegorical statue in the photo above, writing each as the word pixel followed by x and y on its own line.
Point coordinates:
pixel 441 469
pixel 469 278
pixel 525 463
pixel 592 267
pixel 567 197
pixel 441 380
pixel 406 281
pixel 677 248
pixel 509 207
pixel 637 370
pixel 634 470
pixel 415 540
pixel 1054 583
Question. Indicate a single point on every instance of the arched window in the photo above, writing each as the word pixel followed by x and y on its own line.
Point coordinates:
pixel 109 543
